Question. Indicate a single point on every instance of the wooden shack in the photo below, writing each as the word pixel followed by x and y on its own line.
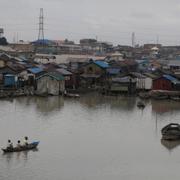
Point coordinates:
pixel 50 84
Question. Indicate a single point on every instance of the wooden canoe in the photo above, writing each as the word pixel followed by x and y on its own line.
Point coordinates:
pixel 30 146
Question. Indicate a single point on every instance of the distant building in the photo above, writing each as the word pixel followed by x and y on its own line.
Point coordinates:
pixel 88 41
pixel 92 46
pixel 150 46
pixel 115 57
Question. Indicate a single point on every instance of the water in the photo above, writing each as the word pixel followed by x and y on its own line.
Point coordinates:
pixel 91 138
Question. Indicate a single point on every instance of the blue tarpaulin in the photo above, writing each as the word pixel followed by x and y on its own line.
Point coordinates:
pixel 102 64
pixel 35 70
pixel 43 41
pixel 171 78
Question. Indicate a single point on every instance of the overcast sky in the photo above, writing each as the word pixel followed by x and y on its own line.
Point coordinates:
pixel 109 20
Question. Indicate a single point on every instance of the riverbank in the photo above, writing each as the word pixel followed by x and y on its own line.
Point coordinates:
pixel 154 94
pixel 160 95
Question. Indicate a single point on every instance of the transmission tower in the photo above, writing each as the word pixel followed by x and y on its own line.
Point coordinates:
pixel 41 26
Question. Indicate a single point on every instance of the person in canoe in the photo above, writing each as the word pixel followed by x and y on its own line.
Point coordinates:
pixel 10 144
pixel 25 141
pixel 18 144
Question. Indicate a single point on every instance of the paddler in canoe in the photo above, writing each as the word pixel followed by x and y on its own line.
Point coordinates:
pixel 9 144
pixel 25 143
pixel 18 144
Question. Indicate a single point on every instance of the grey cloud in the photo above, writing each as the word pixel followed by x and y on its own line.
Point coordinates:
pixel 112 20
pixel 143 15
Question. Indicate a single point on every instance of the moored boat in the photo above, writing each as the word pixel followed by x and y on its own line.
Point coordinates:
pixel 171 132
pixel 71 95
pixel 161 97
pixel 175 98
pixel 30 146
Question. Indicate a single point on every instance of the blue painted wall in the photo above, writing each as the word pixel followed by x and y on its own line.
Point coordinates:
pixel 9 80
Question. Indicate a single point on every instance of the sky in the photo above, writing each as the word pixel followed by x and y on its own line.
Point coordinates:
pixel 113 21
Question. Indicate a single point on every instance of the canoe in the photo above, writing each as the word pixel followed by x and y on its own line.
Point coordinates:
pixel 30 146
pixel 171 132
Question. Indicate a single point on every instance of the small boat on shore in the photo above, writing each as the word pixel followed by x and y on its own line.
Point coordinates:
pixel 140 104
pixel 171 132
pixel 175 98
pixel 161 97
pixel 30 146
pixel 71 95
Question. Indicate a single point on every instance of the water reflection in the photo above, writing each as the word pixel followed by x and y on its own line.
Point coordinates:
pixel 49 104
pixel 43 104
pixel 94 100
pixel 164 106
pixel 18 156
pixel 170 145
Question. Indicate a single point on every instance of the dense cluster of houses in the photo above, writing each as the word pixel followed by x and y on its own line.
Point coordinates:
pixel 18 73
pixel 108 75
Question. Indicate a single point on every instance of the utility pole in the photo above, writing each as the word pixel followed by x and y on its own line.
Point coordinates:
pixel 17 36
pixel 133 39
pixel 96 38
pixel 157 40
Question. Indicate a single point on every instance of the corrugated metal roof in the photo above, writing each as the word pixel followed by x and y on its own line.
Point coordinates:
pixel 54 75
pixel 142 61
pixel 35 70
pixel 126 79
pixel 43 41
pixel 62 66
pixel 174 63
pixel 113 70
pixel 9 75
pixel 102 64
pixel 151 75
pixel 171 78
pixel 90 76
pixel 137 75
pixel 63 71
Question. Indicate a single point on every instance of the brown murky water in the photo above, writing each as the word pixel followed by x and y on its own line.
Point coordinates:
pixel 91 138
